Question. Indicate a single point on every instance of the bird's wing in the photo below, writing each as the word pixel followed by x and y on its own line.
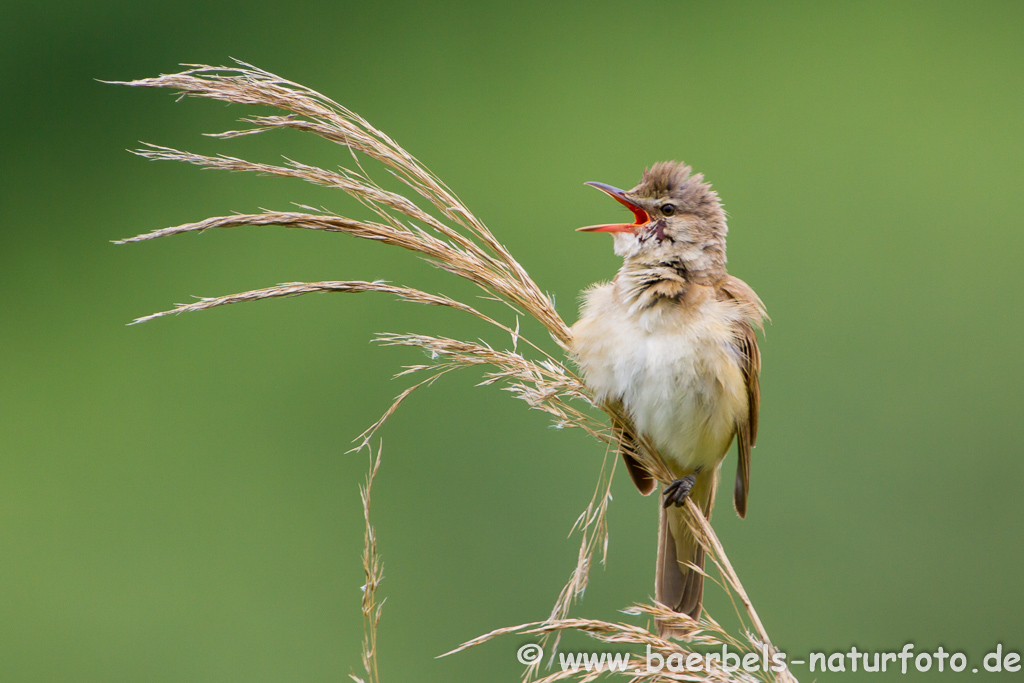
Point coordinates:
pixel 745 341
pixel 746 429
pixel 629 447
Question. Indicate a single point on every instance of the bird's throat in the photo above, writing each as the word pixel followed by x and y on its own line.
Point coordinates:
pixel 644 284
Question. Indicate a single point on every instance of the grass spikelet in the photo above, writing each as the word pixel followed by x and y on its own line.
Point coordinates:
pixel 373 569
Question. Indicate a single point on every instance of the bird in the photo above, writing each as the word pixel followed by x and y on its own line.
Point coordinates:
pixel 671 340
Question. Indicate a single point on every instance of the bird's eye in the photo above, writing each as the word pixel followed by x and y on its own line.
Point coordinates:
pixel 668 209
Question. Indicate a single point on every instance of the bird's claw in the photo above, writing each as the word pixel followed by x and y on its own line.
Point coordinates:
pixel 678 491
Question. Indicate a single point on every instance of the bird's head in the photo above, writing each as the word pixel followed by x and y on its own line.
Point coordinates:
pixel 677 216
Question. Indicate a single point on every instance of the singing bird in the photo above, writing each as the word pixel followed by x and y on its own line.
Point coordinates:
pixel 671 339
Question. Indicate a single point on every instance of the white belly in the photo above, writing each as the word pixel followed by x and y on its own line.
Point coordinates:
pixel 675 372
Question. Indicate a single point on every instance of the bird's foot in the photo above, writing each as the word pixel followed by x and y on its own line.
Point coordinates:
pixel 678 491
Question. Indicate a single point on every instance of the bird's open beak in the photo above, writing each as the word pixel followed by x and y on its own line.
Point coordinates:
pixel 642 217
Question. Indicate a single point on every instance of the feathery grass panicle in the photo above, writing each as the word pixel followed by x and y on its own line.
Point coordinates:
pixel 441 229
pixel 465 245
pixel 373 568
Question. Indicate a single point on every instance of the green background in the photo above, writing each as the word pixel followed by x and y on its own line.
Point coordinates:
pixel 175 499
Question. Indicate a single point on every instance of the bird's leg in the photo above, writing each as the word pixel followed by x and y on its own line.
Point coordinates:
pixel 678 491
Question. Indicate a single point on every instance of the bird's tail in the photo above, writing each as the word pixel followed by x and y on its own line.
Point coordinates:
pixel 676 585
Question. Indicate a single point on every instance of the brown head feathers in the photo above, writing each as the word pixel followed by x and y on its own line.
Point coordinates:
pixel 676 180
